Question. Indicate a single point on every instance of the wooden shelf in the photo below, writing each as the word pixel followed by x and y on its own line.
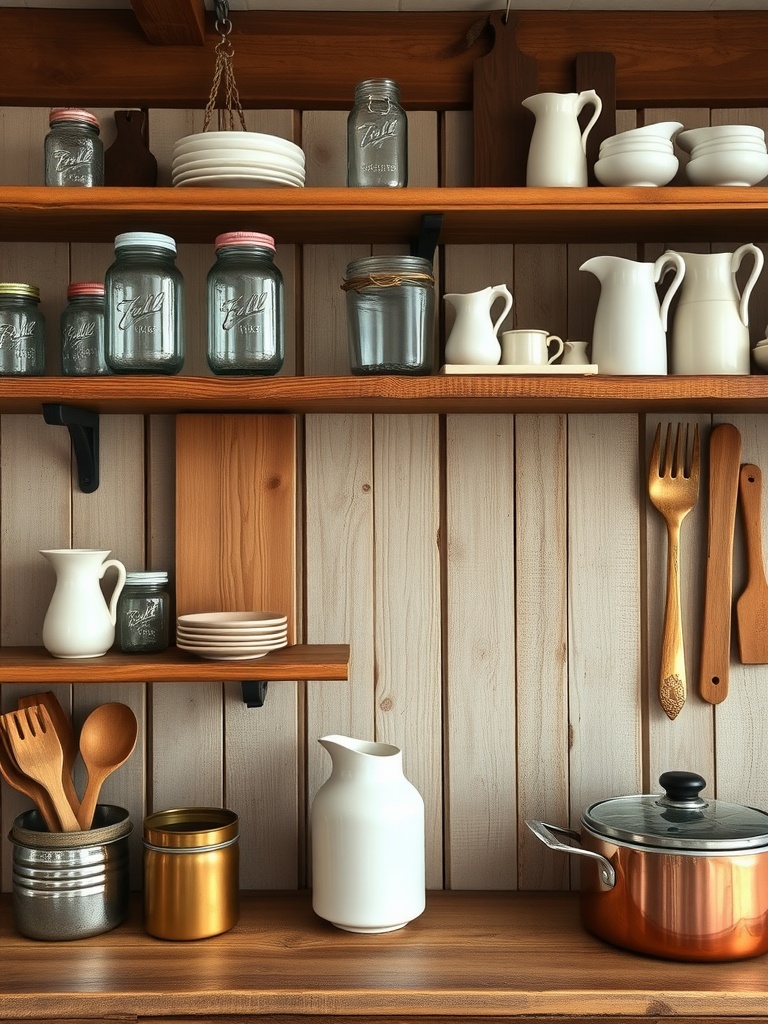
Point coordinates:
pixel 470 955
pixel 436 394
pixel 302 661
pixel 336 215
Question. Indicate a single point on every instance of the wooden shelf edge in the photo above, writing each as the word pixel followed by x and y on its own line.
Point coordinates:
pixel 536 393
pixel 300 661
pixel 492 955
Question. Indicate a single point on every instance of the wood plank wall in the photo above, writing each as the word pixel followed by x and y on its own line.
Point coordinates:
pixel 500 578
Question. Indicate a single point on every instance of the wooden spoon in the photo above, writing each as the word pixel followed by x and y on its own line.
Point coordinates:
pixel 752 605
pixel 107 740
pixel 67 738
pixel 15 777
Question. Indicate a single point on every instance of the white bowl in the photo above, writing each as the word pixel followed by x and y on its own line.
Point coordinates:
pixel 760 354
pixel 664 130
pixel 726 146
pixel 732 168
pixel 695 136
pixel 237 139
pixel 629 169
pixel 661 148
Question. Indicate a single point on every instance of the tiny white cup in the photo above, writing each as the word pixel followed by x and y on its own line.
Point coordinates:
pixel 529 348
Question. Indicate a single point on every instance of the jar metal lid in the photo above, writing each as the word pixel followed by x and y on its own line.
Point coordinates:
pixel 679 819
pixel 25 291
pixel 59 114
pixel 191 828
pixel 372 85
pixel 85 288
pixel 145 238
pixel 245 238
pixel 145 577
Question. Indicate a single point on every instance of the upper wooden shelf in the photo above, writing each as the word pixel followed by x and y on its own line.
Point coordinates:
pixel 497 956
pixel 341 215
pixel 538 393
pixel 302 661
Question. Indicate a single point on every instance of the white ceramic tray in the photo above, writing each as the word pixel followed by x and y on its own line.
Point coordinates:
pixel 527 368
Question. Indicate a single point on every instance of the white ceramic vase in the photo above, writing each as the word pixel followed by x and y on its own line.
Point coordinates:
pixel 78 622
pixel 367 826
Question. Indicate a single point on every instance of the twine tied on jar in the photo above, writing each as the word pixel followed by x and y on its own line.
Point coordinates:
pixel 357 284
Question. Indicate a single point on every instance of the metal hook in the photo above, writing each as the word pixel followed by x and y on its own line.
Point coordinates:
pixel 505 19
pixel 223 23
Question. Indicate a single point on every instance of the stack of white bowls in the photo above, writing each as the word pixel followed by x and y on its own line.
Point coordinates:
pixel 641 156
pixel 760 352
pixel 237 160
pixel 725 154
pixel 231 636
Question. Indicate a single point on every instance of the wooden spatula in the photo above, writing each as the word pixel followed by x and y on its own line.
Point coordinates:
pixel 724 461
pixel 752 605
pixel 67 738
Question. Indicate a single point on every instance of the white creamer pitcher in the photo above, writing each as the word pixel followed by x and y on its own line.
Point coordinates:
pixel 629 335
pixel 558 152
pixel 79 623
pixel 710 330
pixel 368 839
pixel 473 339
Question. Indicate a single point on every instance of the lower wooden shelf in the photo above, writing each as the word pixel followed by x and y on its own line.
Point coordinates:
pixel 300 661
pixel 491 955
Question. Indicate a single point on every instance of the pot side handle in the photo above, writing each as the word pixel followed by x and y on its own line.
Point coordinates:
pixel 548 834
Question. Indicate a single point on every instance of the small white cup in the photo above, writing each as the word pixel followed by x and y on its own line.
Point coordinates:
pixel 529 348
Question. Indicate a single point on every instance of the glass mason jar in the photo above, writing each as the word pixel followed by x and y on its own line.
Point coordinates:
pixel 143 611
pixel 144 305
pixel 22 331
pixel 74 153
pixel 82 331
pixel 245 306
pixel 390 315
pixel 377 136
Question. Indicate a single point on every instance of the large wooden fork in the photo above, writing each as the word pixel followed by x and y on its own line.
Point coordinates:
pixel 673 486
pixel 38 753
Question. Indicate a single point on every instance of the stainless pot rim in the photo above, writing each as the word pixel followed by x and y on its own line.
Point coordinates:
pixel 674 848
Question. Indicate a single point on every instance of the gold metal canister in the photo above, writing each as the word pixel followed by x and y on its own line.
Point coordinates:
pixel 191 872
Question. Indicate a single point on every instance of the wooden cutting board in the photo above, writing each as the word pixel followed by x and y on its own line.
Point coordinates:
pixel 752 605
pixel 724 461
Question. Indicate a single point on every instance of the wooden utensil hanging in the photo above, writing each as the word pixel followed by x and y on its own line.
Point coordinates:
pixel 752 605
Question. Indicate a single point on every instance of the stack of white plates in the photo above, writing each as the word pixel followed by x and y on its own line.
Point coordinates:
pixel 231 636
pixel 237 160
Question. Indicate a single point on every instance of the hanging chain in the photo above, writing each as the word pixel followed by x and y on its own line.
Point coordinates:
pixel 223 73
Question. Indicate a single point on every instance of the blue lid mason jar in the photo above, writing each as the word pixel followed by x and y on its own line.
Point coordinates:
pixel 245 306
pixel 82 331
pixel 144 316
pixel 74 153
pixel 22 331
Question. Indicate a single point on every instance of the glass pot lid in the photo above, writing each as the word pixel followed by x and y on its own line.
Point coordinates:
pixel 679 818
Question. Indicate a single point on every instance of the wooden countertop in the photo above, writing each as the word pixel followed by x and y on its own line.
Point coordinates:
pixel 471 954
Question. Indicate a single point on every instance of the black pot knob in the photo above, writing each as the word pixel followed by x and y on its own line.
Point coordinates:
pixel 682 787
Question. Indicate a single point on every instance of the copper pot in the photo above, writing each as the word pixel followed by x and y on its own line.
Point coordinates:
pixel 671 874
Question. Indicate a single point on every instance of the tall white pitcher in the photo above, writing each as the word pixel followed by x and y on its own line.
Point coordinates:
pixel 79 623
pixel 558 151
pixel 710 330
pixel 629 335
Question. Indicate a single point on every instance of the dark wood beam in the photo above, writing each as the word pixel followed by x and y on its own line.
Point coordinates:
pixel 171 22
pixel 312 60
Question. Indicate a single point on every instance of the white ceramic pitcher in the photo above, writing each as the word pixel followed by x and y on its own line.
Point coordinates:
pixel 79 623
pixel 629 335
pixel 473 339
pixel 558 152
pixel 710 330
pixel 368 840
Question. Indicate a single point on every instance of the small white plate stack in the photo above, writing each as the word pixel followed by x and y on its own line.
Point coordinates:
pixel 231 636
pixel 237 160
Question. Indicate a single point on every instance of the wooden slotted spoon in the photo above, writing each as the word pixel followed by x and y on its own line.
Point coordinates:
pixel 673 488
pixel 38 754
pixel 15 777
pixel 67 738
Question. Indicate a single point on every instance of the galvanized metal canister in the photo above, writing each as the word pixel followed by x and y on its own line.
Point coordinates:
pixel 191 872
pixel 70 885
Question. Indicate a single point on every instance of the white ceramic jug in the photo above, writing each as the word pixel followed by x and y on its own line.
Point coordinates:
pixel 575 354
pixel 710 330
pixel 79 623
pixel 558 152
pixel 629 335
pixel 473 339
pixel 367 826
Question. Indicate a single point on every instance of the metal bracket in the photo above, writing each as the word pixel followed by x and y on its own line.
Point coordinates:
pixel 254 692
pixel 426 243
pixel 83 429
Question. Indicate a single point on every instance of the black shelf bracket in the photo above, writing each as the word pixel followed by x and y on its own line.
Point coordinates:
pixel 83 429
pixel 426 243
pixel 254 692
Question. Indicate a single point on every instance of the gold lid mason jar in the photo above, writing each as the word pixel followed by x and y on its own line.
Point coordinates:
pixel 191 872
pixel 22 331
